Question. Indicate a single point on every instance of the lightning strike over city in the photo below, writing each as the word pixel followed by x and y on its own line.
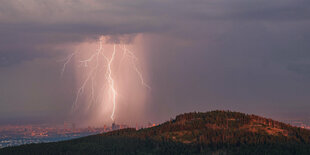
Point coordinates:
pixel 154 77
pixel 102 68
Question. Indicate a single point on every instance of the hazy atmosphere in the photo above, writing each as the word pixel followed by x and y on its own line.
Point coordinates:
pixel 247 56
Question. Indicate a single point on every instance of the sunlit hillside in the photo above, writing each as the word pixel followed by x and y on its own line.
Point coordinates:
pixel 221 132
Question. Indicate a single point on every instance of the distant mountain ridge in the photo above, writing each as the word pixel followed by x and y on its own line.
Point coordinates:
pixel 219 132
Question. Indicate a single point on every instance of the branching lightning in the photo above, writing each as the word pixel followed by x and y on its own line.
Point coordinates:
pixel 66 63
pixel 111 82
pixel 133 59
pixel 102 60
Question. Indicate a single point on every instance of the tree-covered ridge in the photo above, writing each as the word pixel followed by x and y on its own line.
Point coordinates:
pixel 219 132
pixel 221 127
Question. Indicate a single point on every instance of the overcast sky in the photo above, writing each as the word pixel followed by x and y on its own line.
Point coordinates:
pixel 241 55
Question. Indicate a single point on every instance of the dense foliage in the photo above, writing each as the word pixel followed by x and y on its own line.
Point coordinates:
pixel 219 132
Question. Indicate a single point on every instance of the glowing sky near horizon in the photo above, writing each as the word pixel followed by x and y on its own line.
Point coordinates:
pixel 248 56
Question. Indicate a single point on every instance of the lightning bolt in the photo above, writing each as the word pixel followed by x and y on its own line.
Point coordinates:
pixel 133 60
pixel 96 57
pixel 111 82
pixel 67 60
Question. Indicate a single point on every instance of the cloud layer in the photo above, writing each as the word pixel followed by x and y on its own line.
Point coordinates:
pixel 250 56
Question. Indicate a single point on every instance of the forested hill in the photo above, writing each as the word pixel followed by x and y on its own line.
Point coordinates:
pixel 220 132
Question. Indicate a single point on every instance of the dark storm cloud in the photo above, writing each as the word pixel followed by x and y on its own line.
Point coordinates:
pixel 79 19
pixel 302 69
pixel 242 55
pixel 9 58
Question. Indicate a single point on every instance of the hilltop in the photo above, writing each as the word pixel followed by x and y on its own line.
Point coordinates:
pixel 220 132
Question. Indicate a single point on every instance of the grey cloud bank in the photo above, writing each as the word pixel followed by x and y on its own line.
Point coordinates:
pixel 250 56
